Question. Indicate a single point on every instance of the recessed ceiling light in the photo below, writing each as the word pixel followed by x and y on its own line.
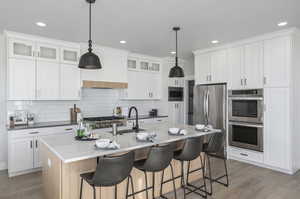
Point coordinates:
pixel 173 52
pixel 283 23
pixel 123 42
pixel 214 41
pixel 41 24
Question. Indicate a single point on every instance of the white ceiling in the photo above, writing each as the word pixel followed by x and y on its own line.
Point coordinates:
pixel 146 24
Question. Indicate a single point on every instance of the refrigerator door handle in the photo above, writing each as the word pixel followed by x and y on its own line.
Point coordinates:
pixel 207 105
pixel 204 104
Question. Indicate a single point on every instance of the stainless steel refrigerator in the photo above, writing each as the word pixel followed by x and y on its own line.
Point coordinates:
pixel 210 104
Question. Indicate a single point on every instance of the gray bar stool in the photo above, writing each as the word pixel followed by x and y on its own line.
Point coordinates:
pixel 159 158
pixel 214 149
pixel 191 150
pixel 110 171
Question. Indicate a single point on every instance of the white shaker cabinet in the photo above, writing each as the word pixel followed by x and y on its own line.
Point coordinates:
pixel 36 71
pixel 219 67
pixel 21 79
pixel 202 68
pixel 176 112
pixel 277 61
pixel 246 66
pixel 235 63
pixel 277 128
pixel 47 81
pixel 253 68
pixel 70 88
pixel 21 151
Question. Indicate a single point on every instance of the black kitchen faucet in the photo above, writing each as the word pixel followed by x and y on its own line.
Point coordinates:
pixel 136 126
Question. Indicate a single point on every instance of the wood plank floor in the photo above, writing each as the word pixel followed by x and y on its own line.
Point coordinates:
pixel 246 182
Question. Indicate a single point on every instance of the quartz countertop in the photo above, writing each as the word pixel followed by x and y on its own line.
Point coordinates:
pixel 69 150
pixel 42 125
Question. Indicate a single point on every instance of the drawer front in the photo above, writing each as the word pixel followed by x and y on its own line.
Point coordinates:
pixel 41 131
pixel 246 154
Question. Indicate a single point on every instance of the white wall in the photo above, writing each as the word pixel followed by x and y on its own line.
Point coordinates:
pixel 3 133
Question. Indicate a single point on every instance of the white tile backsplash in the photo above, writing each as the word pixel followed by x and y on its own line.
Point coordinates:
pixel 94 102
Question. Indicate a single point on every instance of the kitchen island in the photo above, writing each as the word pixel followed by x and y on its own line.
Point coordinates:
pixel 64 159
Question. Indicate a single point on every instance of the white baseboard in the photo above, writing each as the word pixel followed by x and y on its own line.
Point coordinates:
pixel 290 172
pixel 3 165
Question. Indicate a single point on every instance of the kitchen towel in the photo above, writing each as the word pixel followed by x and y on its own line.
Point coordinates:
pixel 177 131
pixel 146 137
pixel 107 144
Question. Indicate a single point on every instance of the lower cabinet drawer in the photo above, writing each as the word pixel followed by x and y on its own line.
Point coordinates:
pixel 246 154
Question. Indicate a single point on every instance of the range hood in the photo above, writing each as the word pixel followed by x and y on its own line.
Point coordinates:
pixel 104 84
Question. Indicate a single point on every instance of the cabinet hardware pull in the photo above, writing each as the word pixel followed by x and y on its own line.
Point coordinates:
pixel 31 144
pixel 241 82
pixel 159 120
pixel 265 80
pixel 68 129
pixel 245 81
pixel 244 154
pixel 35 132
pixel 36 144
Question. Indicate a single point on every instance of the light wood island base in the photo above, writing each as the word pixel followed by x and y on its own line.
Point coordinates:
pixel 62 180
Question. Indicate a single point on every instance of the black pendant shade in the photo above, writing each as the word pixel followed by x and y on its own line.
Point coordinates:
pixel 176 71
pixel 90 60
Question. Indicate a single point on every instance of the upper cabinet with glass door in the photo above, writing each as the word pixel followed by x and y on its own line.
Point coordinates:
pixel 143 63
pixel 155 67
pixel 70 55
pixel 47 52
pixel 132 63
pixel 19 48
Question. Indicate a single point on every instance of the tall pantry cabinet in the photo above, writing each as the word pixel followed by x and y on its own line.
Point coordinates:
pixel 270 62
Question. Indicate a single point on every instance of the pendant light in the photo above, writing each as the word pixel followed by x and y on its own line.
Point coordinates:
pixel 90 60
pixel 176 71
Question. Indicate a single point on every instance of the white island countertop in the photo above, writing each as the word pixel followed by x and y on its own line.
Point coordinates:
pixel 66 148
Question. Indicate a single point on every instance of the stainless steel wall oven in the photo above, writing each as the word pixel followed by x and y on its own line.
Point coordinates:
pixel 246 119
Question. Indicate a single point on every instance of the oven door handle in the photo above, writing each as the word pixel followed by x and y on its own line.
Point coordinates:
pixel 246 124
pixel 246 98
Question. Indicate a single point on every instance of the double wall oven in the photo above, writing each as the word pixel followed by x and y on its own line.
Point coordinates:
pixel 246 109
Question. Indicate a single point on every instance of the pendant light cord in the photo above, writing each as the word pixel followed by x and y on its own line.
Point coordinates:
pixel 90 28
pixel 176 58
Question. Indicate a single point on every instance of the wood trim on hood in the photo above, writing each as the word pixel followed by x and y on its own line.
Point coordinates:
pixel 102 84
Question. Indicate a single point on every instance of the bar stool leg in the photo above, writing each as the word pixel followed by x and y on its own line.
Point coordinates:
pixel 153 184
pixel 173 179
pixel 132 186
pixel 182 180
pixel 161 184
pixel 116 192
pixel 127 187
pixel 203 174
pixel 81 186
pixel 146 184
pixel 94 189
pixel 210 176
pixel 226 171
